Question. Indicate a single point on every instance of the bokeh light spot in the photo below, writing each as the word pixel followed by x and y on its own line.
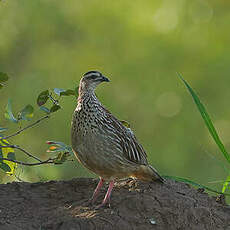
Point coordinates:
pixel 168 104
pixel 200 11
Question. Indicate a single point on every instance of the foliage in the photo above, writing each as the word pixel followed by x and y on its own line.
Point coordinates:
pixel 25 114
pixel 7 166
pixel 8 161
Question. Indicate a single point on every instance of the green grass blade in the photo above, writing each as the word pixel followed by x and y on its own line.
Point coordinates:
pixel 207 120
pixel 217 161
pixel 226 183
pixel 180 179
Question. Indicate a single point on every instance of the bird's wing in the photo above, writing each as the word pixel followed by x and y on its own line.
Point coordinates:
pixel 132 150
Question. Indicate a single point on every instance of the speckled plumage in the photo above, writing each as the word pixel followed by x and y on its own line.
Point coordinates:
pixel 102 143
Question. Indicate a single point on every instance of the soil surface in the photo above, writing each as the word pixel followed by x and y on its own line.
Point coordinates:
pixel 62 205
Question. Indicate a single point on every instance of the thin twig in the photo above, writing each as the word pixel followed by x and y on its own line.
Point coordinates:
pixel 27 127
pixel 21 149
pixel 49 161
pixel 55 102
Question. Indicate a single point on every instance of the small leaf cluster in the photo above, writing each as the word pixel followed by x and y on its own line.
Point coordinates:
pixel 63 150
pixel 8 153
pixel 48 102
pixel 25 114
pixel 46 95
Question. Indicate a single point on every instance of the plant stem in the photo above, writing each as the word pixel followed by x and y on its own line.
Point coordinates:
pixel 21 149
pixel 48 161
pixel 23 129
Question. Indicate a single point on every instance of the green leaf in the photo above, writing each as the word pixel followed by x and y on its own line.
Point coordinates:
pixel 9 114
pixel 1 85
pixel 43 97
pixel 194 184
pixel 1 155
pixel 68 92
pixel 61 158
pixel 8 153
pixel 11 156
pixel 58 91
pixel 45 109
pixel 5 167
pixel 3 77
pixel 3 129
pixel 55 108
pixel 26 113
pixel 207 120
pixel 63 92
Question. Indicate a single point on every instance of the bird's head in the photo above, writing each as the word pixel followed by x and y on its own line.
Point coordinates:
pixel 91 80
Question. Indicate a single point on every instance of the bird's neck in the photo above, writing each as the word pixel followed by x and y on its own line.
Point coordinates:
pixel 85 90
pixel 86 96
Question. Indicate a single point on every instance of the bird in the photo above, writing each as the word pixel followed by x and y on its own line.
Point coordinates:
pixel 103 144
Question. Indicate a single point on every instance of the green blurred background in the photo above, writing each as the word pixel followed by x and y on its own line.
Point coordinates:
pixel 139 45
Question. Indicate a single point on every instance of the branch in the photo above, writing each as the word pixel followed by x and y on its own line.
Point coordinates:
pixel 27 127
pixel 21 149
pixel 55 102
pixel 49 161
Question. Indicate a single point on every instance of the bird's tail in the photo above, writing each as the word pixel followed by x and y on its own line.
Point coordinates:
pixel 156 175
pixel 147 173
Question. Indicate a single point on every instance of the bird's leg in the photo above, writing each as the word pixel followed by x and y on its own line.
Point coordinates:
pixel 107 195
pixel 96 191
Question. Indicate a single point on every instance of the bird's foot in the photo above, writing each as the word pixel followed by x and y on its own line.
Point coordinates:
pixel 103 205
pixel 89 202
pixel 100 206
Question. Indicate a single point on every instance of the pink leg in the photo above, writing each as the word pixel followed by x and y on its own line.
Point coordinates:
pixel 96 191
pixel 108 194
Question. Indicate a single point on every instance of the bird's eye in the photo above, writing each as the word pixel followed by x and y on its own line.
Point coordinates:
pixel 93 77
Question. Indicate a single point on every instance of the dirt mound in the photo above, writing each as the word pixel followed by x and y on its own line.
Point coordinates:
pixel 62 205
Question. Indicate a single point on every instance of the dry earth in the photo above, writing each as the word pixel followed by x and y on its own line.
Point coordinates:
pixel 62 205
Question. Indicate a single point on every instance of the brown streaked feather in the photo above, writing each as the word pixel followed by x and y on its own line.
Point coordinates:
pixel 132 150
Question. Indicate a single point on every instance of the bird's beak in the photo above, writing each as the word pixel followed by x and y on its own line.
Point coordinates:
pixel 105 79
